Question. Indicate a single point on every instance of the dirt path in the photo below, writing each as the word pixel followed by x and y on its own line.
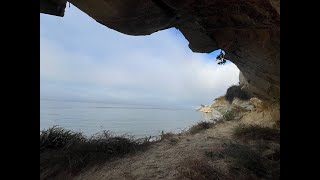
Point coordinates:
pixel 162 159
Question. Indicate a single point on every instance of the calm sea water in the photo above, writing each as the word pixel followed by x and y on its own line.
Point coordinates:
pixel 140 121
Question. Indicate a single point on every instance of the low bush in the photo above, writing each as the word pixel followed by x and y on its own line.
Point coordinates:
pixel 229 115
pixel 201 126
pixel 256 132
pixel 63 150
pixel 236 92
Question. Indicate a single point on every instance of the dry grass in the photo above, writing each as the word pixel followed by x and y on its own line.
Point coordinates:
pixel 201 126
pixel 259 159
pixel 256 132
pixel 165 136
pixel 248 161
pixel 244 159
pixel 171 137
pixel 197 169
pixel 64 151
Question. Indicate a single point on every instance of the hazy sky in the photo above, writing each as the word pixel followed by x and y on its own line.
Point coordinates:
pixel 83 60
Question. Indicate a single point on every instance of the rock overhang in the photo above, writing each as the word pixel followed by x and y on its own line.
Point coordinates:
pixel 247 30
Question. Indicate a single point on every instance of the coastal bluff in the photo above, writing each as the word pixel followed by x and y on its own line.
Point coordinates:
pixel 253 110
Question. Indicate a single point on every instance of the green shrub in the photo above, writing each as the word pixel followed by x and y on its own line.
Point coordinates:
pixel 229 115
pixel 236 92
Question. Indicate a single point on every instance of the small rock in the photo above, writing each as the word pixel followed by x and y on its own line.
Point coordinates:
pixel 249 108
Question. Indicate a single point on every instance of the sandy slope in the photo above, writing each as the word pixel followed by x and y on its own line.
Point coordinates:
pixel 162 159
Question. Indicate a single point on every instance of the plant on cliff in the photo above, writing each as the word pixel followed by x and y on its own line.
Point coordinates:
pixel 229 115
pixel 236 92
pixel 221 58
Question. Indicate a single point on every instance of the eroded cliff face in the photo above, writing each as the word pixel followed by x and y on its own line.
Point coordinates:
pixel 245 111
pixel 247 30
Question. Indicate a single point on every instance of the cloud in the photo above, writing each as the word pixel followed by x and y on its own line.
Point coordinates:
pixel 81 59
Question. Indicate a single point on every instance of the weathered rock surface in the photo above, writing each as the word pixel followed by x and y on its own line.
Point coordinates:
pixel 247 30
pixel 247 105
pixel 248 111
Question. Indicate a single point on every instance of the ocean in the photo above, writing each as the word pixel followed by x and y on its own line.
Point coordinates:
pixel 137 120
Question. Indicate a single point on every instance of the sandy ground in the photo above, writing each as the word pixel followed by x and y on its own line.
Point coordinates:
pixel 162 159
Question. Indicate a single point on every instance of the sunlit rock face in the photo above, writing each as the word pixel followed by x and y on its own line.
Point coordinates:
pixel 247 30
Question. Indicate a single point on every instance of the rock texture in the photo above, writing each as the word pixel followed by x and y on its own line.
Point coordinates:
pixel 247 30
pixel 250 111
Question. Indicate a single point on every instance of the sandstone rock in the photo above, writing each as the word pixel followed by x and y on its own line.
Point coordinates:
pixel 258 104
pixel 267 117
pixel 247 105
pixel 205 109
pixel 250 107
pixel 221 105
pixel 216 115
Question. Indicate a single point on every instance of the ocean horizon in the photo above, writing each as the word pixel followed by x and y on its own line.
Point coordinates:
pixel 118 118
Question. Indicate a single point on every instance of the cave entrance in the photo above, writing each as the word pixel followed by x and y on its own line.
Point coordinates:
pixel 93 78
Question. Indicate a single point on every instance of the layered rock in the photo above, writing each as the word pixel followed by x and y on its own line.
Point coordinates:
pixel 247 111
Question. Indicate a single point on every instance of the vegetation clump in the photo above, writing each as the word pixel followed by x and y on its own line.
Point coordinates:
pixel 235 91
pixel 66 151
pixel 259 159
pixel 221 58
pixel 229 115
pixel 256 132
pixel 201 126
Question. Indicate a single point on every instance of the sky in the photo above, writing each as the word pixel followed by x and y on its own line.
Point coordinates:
pixel 82 60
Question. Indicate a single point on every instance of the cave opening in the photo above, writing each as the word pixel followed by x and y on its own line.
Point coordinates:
pixel 103 68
